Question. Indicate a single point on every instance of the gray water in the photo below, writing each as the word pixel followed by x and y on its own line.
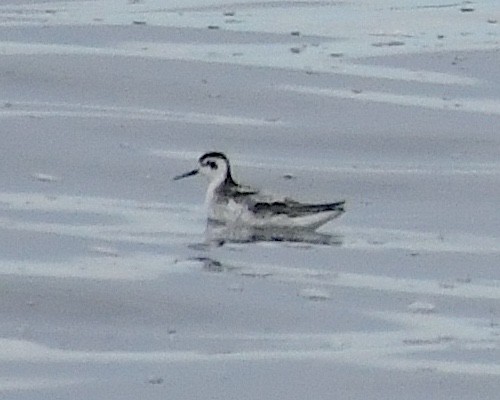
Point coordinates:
pixel 112 284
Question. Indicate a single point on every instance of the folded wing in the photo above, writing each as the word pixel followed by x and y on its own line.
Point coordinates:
pixel 294 209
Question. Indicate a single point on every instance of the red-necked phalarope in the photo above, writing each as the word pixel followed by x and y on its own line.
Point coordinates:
pixel 234 204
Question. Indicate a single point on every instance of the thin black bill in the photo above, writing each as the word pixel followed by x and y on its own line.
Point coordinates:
pixel 190 173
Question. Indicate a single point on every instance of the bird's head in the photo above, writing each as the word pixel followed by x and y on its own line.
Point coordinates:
pixel 214 165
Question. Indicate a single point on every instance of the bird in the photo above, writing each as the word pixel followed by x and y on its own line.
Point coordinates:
pixel 233 204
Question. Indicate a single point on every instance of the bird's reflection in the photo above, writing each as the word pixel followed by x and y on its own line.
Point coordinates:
pixel 219 234
pixel 212 265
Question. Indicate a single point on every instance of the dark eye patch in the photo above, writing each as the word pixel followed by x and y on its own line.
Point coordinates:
pixel 212 164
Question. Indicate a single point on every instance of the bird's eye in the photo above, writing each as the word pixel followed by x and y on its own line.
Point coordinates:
pixel 212 164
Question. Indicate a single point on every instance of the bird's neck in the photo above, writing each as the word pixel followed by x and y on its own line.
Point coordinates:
pixel 218 186
pixel 214 188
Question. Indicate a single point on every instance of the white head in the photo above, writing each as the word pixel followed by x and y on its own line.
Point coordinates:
pixel 215 166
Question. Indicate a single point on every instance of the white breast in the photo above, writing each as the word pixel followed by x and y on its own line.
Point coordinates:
pixel 229 212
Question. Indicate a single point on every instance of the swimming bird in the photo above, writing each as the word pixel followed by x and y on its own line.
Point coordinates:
pixel 237 205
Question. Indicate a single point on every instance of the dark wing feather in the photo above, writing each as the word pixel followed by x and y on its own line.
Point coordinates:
pixel 238 191
pixel 295 209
